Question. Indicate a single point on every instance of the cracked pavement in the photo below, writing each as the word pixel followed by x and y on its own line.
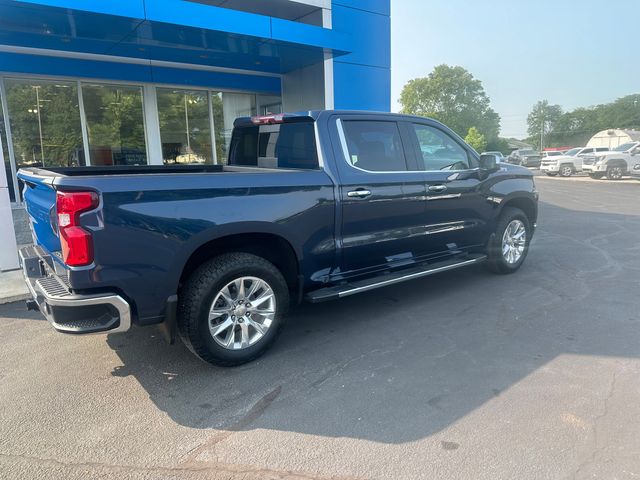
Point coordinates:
pixel 464 375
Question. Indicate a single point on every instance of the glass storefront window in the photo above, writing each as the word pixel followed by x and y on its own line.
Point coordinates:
pixel 45 123
pixel 115 124
pixel 185 127
pixel 5 155
pixel 270 104
pixel 226 108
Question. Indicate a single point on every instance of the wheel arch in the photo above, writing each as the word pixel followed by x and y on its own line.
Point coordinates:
pixel 617 162
pixel 526 204
pixel 268 245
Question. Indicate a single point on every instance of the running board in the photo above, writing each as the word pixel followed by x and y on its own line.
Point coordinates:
pixel 345 290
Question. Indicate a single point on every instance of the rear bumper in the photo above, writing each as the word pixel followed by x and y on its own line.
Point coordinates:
pixel 69 312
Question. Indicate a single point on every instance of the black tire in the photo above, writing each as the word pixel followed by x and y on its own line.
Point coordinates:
pixel 565 170
pixel 615 172
pixel 497 263
pixel 551 174
pixel 199 292
pixel 596 176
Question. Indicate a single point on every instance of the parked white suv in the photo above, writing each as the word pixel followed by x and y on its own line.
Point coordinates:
pixel 615 163
pixel 569 163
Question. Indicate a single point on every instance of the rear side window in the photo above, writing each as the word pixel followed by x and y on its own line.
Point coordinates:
pixel 286 145
pixel 374 146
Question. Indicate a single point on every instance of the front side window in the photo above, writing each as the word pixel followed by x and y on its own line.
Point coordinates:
pixel 115 124
pixel 374 146
pixel 440 151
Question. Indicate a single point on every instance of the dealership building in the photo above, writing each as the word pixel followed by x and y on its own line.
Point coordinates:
pixel 160 82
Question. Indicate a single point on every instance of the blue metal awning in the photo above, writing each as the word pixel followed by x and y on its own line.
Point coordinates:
pixel 169 30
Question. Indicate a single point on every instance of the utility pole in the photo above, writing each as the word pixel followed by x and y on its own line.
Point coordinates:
pixel 542 131
pixel 37 87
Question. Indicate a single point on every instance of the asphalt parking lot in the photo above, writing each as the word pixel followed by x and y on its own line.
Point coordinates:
pixel 465 375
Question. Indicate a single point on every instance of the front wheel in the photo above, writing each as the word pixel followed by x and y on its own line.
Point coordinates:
pixel 566 170
pixel 510 243
pixel 615 173
pixel 232 308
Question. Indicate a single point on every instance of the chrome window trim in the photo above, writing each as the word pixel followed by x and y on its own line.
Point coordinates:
pixel 345 152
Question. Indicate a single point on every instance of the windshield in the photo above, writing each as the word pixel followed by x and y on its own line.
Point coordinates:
pixel 624 147
pixel 572 152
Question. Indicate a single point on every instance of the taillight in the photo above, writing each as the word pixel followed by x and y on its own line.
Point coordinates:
pixel 76 242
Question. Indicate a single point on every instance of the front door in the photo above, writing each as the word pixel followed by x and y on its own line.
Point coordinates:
pixel 457 214
pixel 382 195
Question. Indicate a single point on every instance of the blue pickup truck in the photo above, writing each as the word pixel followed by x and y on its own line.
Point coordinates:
pixel 309 207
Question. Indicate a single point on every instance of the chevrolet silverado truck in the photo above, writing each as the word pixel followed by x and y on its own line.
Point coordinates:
pixel 525 157
pixel 309 207
pixel 568 163
pixel 613 164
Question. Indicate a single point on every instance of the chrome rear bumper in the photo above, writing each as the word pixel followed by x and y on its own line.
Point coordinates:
pixel 66 311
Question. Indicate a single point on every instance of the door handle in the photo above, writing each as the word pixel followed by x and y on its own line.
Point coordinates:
pixel 437 188
pixel 359 193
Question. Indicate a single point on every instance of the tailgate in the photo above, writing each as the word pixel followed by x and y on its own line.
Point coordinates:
pixel 40 201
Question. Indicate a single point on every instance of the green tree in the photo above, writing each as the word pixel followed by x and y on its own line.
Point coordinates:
pixel 498 144
pixel 577 126
pixel 476 140
pixel 541 121
pixel 453 96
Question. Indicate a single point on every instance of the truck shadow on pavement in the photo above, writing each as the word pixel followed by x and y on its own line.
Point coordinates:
pixel 404 362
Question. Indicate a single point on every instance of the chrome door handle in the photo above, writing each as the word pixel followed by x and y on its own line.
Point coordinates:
pixel 437 188
pixel 359 193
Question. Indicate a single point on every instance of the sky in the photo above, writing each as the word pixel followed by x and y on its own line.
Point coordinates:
pixel 573 53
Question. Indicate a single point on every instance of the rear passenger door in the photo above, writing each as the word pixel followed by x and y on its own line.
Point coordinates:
pixel 381 192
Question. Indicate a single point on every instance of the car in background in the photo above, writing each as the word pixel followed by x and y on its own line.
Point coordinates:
pixel 569 163
pixel 525 157
pixel 615 163
pixel 497 155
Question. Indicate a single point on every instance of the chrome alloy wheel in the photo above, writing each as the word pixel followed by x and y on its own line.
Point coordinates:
pixel 566 171
pixel 242 312
pixel 615 173
pixel 514 240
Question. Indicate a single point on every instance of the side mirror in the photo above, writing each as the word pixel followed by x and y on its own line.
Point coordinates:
pixel 488 162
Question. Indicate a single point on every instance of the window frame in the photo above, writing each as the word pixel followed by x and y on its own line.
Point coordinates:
pixel 473 160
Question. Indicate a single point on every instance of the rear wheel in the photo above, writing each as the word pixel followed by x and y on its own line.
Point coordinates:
pixel 566 171
pixel 231 309
pixel 615 173
pixel 510 243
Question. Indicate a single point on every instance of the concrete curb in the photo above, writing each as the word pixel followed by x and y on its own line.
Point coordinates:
pixel 14 298
pixel 12 287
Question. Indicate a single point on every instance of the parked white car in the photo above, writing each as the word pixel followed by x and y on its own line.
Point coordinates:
pixel 569 163
pixel 615 163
